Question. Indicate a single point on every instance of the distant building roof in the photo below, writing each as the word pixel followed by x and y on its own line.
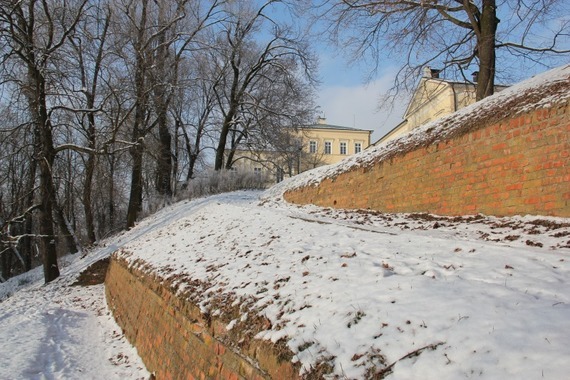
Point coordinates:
pixel 321 124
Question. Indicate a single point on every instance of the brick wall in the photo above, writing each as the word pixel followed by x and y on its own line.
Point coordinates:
pixel 176 341
pixel 512 166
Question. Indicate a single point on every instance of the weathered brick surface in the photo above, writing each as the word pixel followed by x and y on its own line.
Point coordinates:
pixel 516 166
pixel 174 339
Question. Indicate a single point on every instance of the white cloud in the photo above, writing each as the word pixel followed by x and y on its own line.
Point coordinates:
pixel 357 106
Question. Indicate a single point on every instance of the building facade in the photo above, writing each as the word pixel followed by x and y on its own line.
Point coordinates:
pixel 310 146
pixel 332 143
pixel 432 99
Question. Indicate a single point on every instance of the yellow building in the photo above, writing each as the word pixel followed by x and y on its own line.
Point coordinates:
pixel 432 99
pixel 309 147
pixel 332 143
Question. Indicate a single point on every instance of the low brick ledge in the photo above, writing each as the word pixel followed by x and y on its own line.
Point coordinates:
pixel 176 341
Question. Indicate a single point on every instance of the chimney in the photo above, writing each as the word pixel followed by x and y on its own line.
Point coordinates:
pixel 321 120
pixel 475 75
pixel 428 72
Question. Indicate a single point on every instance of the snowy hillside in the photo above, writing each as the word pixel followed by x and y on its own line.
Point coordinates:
pixel 426 297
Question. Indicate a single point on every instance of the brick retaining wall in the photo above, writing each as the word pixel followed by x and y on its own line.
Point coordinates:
pixel 174 339
pixel 516 166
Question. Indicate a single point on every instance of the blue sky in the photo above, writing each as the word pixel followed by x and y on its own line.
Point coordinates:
pixel 346 98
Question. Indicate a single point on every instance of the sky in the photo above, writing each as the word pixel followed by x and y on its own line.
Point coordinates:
pixel 346 98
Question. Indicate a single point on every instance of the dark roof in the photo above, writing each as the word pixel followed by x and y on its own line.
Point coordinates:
pixel 337 127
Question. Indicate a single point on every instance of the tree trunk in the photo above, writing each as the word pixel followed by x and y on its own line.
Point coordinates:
pixel 222 144
pixel 91 160
pixel 486 50
pixel 234 97
pixel 87 208
pixel 111 196
pixel 135 199
pixel 47 189
pixel 47 241
pixel 192 155
pixel 66 231
pixel 26 248
pixel 164 164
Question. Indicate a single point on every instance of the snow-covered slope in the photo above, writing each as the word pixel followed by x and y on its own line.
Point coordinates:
pixel 423 296
pixel 467 297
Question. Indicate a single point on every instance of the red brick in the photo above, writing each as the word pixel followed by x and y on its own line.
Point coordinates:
pixel 482 162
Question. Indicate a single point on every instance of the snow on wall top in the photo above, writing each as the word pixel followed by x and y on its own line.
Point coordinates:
pixel 541 91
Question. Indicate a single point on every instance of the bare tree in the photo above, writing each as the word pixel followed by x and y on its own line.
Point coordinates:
pixel 457 34
pixel 17 189
pixel 34 32
pixel 250 66
pixel 193 112
pixel 156 37
pixel 88 56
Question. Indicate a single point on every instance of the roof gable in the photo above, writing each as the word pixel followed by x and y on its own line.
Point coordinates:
pixel 426 90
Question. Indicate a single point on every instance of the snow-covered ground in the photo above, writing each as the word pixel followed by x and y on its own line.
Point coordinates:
pixel 436 298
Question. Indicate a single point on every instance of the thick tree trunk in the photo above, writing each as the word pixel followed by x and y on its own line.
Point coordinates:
pixel 6 264
pixel 46 229
pixel 47 189
pixel 230 159
pixel 66 231
pixel 135 199
pixel 486 50
pixel 164 164
pixel 26 247
pixel 111 195
pixel 46 157
pixel 234 97
pixel 220 150
pixel 87 201
pixel 162 100
pixel 90 166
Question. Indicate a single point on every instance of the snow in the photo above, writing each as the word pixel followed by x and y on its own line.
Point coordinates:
pixel 474 296
pixel 425 296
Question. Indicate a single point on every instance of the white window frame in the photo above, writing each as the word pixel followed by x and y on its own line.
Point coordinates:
pixel 328 147
pixel 343 147
pixel 357 147
pixel 313 146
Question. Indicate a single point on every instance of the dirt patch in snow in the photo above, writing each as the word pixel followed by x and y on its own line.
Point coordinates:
pixel 94 275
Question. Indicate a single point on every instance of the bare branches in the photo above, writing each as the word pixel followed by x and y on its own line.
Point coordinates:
pixel 453 35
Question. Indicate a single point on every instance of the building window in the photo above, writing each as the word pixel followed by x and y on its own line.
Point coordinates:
pixel 257 171
pixel 342 148
pixel 328 147
pixel 357 147
pixel 312 147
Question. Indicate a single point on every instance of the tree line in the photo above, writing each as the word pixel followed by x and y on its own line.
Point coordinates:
pixel 107 104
